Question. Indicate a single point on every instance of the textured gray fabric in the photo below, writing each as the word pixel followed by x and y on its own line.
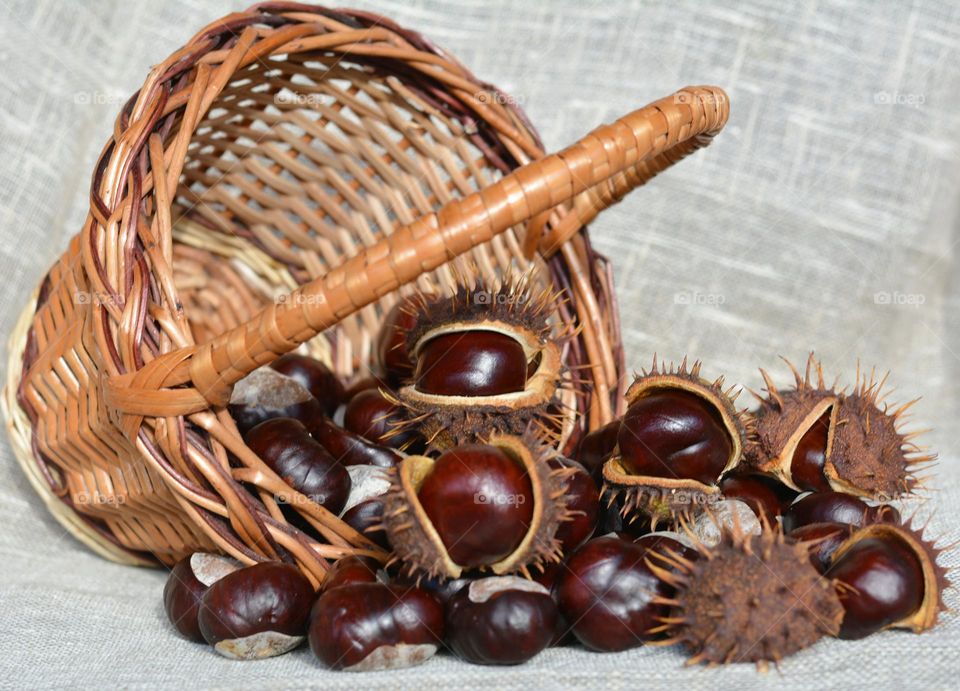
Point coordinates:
pixel 825 216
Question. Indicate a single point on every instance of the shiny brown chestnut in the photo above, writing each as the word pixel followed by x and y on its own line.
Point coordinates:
pixel 887 576
pixel 823 540
pixel 352 569
pixel 609 593
pixel 480 502
pixel 375 418
pixel 185 586
pixel 471 363
pixel 810 457
pixel 265 394
pixel 367 519
pixel 675 434
pixel 766 495
pixel 392 355
pixel 583 501
pixel 352 449
pixel 503 620
pixel 836 507
pixel 286 446
pixel 372 626
pixel 315 377
pixel 596 447
pixel 256 612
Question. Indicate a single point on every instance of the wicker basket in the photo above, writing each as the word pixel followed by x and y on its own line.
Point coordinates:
pixel 285 146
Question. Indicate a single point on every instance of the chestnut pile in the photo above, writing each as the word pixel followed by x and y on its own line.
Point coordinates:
pixel 743 536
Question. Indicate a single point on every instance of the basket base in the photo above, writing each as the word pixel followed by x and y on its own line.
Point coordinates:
pixel 20 432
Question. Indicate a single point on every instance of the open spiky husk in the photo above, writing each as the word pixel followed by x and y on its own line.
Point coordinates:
pixel 667 500
pixel 867 453
pixel 935 577
pixel 751 598
pixel 418 548
pixel 511 308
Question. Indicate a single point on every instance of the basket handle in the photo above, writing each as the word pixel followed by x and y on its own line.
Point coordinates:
pixel 593 173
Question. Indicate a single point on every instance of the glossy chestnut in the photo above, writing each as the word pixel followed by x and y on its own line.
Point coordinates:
pixel 371 626
pixel 596 447
pixel 810 456
pixel 352 449
pixel 265 394
pixel 764 494
pixel 824 539
pixel 351 569
pixel 500 621
pixel 607 592
pixel 367 519
pixel 315 376
pixel 471 363
pixel 286 446
pixel 583 501
pixel 185 586
pixel 392 355
pixel 480 502
pixel 882 583
pixel 674 433
pixel 836 507
pixel 255 612
pixel 373 417
pixel 666 550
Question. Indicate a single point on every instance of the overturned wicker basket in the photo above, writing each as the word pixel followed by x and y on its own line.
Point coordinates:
pixel 287 146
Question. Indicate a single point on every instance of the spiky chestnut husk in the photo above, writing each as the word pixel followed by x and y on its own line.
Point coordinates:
pixel 750 598
pixel 935 577
pixel 866 454
pixel 418 549
pixel 667 500
pixel 512 308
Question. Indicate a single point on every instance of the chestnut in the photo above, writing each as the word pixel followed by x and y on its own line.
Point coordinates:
pixel 611 596
pixel 583 501
pixel 352 569
pixel 256 612
pixel 186 584
pixel 286 446
pixel 667 550
pixel 392 355
pixel 595 448
pixel 674 433
pixel 503 620
pixel 766 495
pixel 881 584
pixel 372 626
pixel 367 519
pixel 315 377
pixel 810 457
pixel 823 540
pixel 836 507
pixel 351 449
pixel 375 418
pixel 471 363
pixel 480 502
pixel 265 394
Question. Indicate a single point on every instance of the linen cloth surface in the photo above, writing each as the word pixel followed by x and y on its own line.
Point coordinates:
pixel 825 216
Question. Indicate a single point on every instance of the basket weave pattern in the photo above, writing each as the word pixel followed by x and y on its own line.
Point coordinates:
pixel 290 172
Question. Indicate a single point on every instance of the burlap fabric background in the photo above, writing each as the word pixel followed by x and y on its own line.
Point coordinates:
pixel 824 217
